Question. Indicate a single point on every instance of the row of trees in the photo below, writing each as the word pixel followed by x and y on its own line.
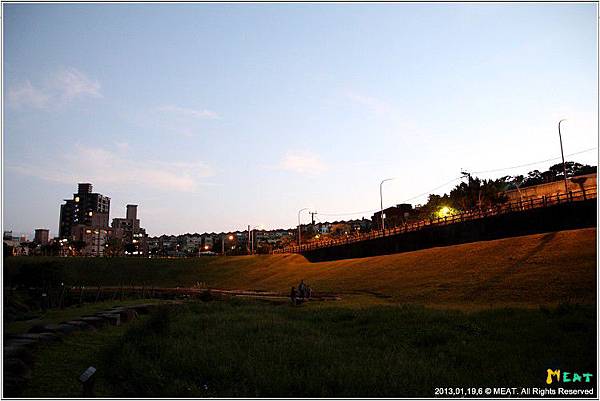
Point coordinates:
pixel 482 194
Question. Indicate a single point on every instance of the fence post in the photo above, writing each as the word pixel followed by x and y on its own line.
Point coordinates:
pixel 583 190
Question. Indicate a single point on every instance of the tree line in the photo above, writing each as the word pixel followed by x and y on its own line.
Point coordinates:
pixel 479 193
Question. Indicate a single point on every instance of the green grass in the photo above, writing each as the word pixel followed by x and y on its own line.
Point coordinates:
pixel 58 366
pixel 254 349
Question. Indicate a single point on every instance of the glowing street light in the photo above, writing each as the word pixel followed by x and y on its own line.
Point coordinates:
pixel 230 237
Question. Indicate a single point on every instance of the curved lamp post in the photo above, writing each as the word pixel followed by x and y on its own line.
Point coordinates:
pixel 381 201
pixel 299 233
pixel 563 157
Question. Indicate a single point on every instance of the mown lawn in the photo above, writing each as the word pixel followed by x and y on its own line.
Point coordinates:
pixel 254 349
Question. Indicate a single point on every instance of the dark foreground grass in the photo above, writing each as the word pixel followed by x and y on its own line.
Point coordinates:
pixel 253 349
pixel 241 349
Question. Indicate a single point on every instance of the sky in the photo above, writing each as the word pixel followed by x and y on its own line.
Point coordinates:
pixel 213 117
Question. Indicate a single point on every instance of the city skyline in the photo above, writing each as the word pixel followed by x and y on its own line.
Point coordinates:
pixel 212 117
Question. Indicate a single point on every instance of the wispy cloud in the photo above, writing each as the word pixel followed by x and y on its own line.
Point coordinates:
pixel 72 83
pixel 372 104
pixel 64 86
pixel 189 112
pixel 302 162
pixel 26 95
pixel 102 166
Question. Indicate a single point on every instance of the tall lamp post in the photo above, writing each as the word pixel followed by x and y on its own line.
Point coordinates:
pixel 563 157
pixel 381 201
pixel 299 233
pixel 230 237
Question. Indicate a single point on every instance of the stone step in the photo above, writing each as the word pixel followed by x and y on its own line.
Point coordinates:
pixel 95 321
pixel 126 314
pixel 113 318
pixel 39 337
pixel 18 351
pixel 80 324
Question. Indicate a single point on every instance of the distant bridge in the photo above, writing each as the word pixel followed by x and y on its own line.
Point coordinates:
pixel 504 208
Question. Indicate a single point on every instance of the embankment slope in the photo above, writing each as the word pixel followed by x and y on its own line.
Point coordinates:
pixel 530 270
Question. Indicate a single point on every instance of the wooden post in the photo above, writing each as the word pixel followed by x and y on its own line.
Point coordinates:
pixel 61 302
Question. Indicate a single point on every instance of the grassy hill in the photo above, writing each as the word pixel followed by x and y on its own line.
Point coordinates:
pixel 532 270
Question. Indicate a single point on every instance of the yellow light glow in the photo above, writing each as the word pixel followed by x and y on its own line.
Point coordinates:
pixel 230 237
pixel 317 236
pixel 205 246
pixel 444 211
pixel 77 199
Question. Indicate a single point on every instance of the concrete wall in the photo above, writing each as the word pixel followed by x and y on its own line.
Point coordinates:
pixel 574 184
pixel 554 218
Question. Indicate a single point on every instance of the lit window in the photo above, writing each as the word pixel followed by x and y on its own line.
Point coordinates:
pixel 88 231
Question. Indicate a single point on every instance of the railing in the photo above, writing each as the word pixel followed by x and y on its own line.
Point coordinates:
pixel 508 207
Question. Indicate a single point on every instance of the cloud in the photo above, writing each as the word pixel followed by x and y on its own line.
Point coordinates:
pixel 302 163
pixel 71 84
pixel 187 112
pixel 372 104
pixel 63 87
pixel 27 95
pixel 98 165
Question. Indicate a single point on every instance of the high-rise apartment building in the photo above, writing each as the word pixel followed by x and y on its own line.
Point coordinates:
pixel 85 209
pixel 41 236
pixel 129 231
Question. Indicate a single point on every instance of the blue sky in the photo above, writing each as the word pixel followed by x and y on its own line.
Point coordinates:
pixel 211 117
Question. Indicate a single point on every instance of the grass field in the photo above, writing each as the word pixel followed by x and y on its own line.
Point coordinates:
pixel 522 271
pixel 255 349
pixel 486 314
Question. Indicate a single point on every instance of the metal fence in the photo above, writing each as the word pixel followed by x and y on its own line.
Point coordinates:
pixel 508 207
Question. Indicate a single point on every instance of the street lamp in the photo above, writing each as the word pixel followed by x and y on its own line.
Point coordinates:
pixel 563 156
pixel 230 237
pixel 381 201
pixel 299 233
